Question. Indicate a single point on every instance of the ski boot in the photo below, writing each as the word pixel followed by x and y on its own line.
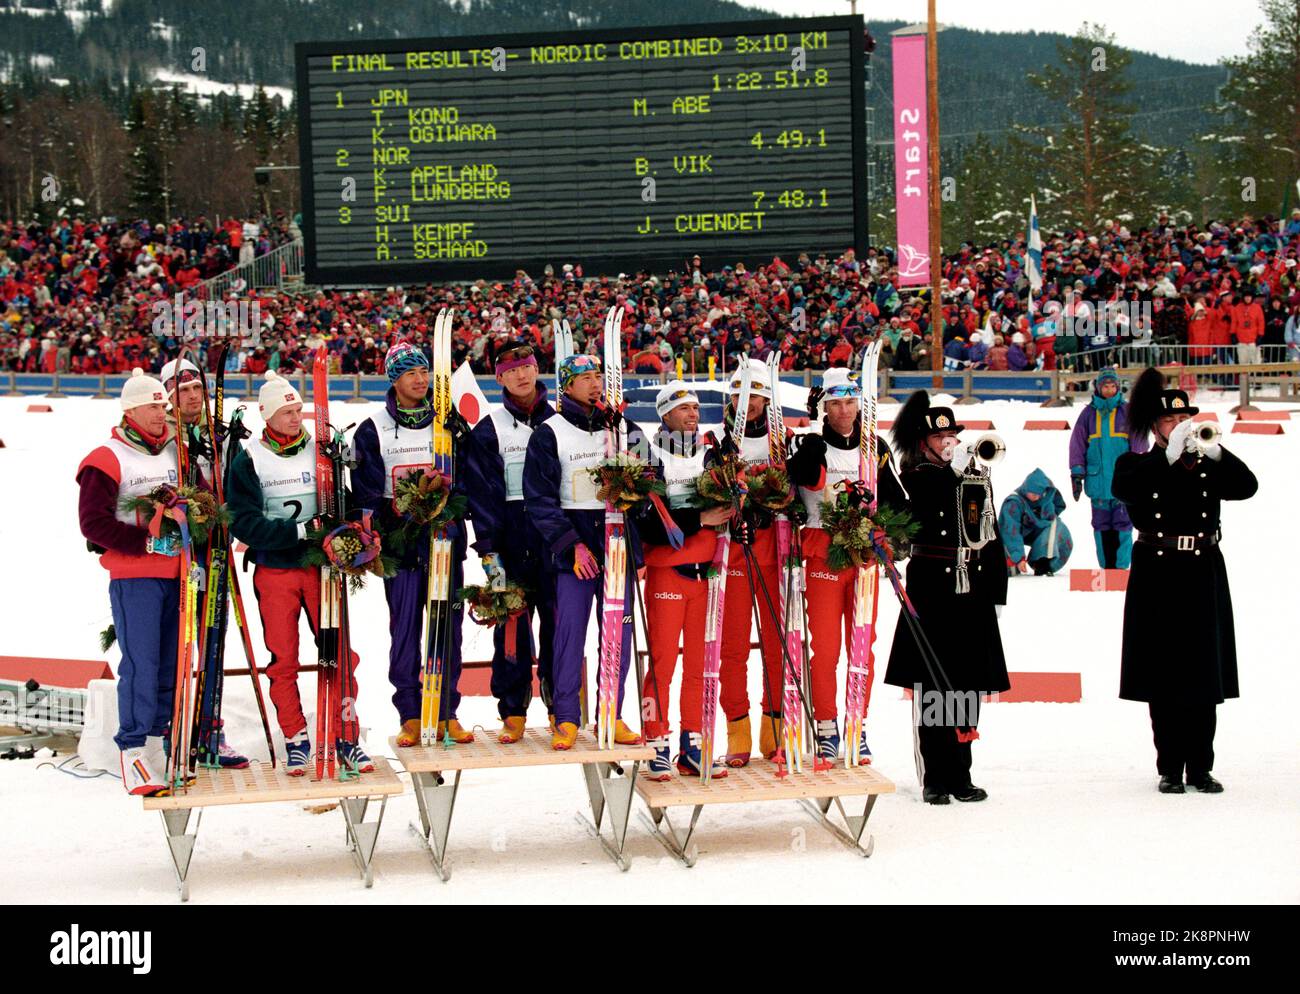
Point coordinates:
pixel 566 734
pixel 452 729
pixel 297 751
pixel 409 735
pixel 689 760
pixel 190 776
pixel 970 793
pixel 139 775
pixel 660 769
pixel 351 756
pixel 227 757
pixel 513 730
pixel 624 736
pixel 828 742
pixel 155 749
pixel 739 742
pixel 769 735
pixel 864 754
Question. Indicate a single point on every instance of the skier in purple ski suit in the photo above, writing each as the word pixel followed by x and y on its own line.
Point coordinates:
pixel 1100 437
pixel 390 445
pixel 507 540
pixel 560 498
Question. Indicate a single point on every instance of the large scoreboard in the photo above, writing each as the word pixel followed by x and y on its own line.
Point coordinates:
pixel 467 157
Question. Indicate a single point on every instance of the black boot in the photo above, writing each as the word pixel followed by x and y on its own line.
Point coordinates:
pixel 1205 783
pixel 933 796
pixel 1042 567
pixel 1169 785
pixel 971 794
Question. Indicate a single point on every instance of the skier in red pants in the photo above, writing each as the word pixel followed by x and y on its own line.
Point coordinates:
pixel 271 494
pixel 820 466
pixel 742 591
pixel 676 584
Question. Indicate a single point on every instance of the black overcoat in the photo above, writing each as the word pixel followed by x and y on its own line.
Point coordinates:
pixel 962 628
pixel 1179 642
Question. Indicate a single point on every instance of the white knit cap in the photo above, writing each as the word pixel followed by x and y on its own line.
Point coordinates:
pixel 140 389
pixel 168 372
pixel 673 395
pixel 758 385
pixel 838 382
pixel 1017 339
pixel 276 392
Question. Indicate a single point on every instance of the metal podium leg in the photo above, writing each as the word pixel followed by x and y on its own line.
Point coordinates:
pixel 181 844
pixel 612 793
pixel 362 835
pixel 679 845
pixel 436 800
pixel 854 825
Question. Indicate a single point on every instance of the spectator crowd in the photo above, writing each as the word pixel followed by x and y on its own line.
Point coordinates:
pixel 82 297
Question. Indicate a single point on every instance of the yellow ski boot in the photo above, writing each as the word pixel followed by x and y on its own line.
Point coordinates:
pixel 410 733
pixel 513 730
pixel 566 734
pixel 769 735
pixel 453 729
pixel 624 736
pixel 739 742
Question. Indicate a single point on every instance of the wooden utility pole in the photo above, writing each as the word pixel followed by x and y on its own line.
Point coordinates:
pixel 936 259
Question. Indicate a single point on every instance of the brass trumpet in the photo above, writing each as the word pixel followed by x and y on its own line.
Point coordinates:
pixel 986 450
pixel 1206 434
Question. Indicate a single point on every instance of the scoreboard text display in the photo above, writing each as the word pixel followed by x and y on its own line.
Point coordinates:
pixel 463 157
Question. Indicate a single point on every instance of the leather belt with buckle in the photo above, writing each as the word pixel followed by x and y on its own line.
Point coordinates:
pixel 1179 543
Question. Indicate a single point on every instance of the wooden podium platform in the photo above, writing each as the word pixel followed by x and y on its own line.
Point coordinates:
pixel 437 799
pixel 816 791
pixel 260 783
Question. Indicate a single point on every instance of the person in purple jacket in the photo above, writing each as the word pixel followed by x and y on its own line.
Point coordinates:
pixel 1100 437
pixel 1017 358
pixel 392 444
pixel 507 541
pixel 560 499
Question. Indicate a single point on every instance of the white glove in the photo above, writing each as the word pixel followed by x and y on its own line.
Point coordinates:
pixel 302 531
pixel 1180 441
pixel 997 610
pixel 961 457
pixel 1213 452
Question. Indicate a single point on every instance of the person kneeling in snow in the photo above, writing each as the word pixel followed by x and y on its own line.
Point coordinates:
pixel 1031 517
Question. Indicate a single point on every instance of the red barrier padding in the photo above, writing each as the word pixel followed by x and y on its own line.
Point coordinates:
pixel 54 672
pixel 39 409
pixel 1263 415
pixel 1206 416
pixel 1259 427
pixel 1098 579
pixel 1029 688
pixel 476 681
pixel 1047 426
pixel 1053 688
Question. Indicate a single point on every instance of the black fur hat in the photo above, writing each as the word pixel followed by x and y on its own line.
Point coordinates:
pixel 1150 399
pixel 917 419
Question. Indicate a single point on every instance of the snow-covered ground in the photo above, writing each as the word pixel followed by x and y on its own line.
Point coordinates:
pixel 1073 814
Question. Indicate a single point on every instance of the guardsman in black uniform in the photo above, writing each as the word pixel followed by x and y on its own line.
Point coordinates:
pixel 957 581
pixel 1179 653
